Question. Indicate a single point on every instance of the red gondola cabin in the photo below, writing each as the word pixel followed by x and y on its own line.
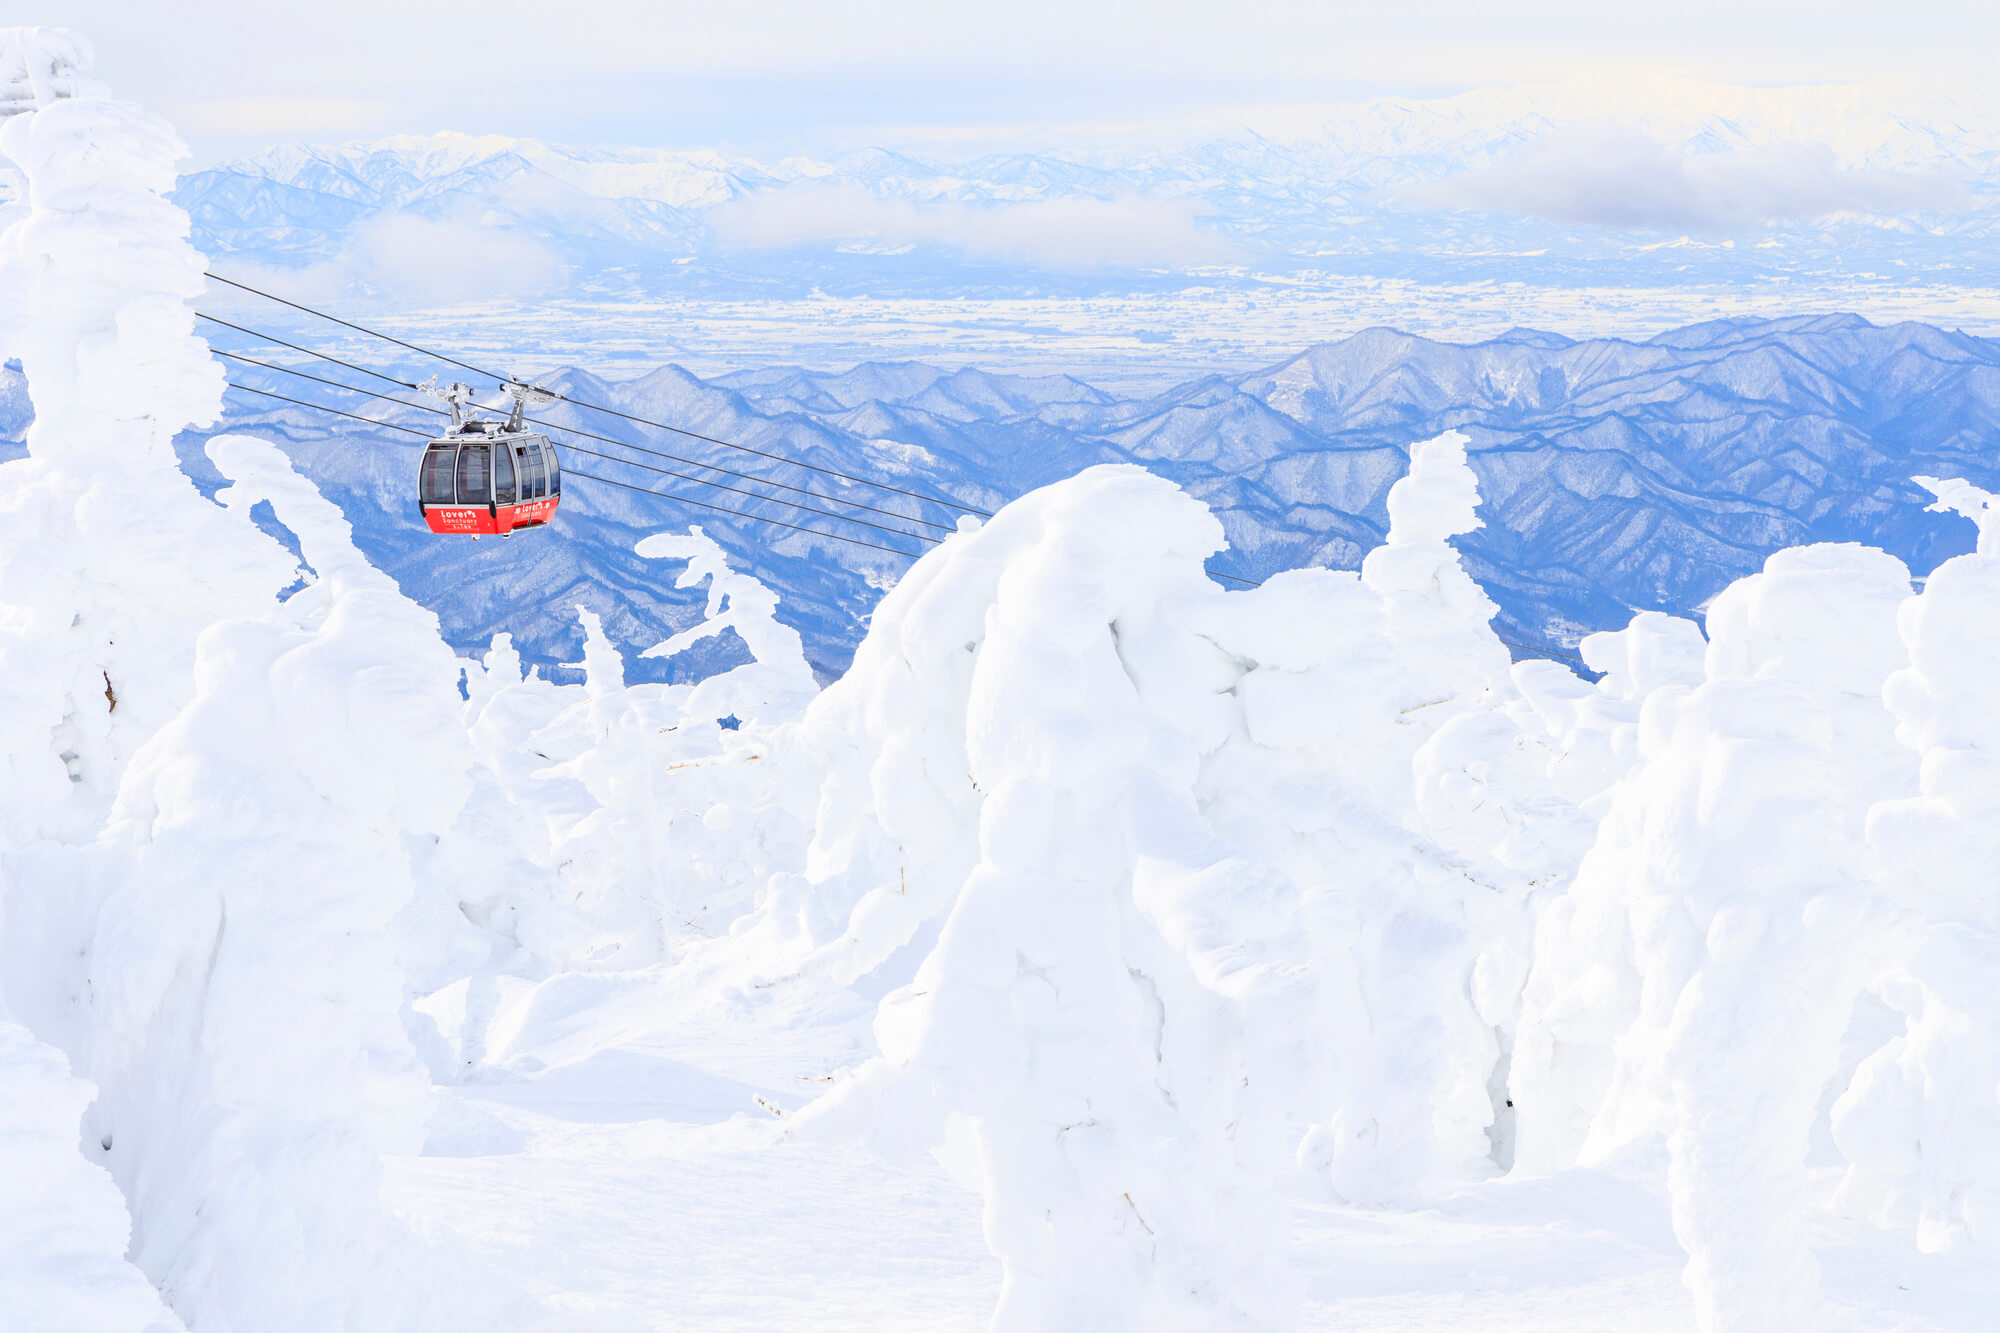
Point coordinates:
pixel 488 476
pixel 478 482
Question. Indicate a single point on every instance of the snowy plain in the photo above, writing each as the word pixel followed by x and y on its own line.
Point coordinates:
pixel 1602 205
pixel 1104 949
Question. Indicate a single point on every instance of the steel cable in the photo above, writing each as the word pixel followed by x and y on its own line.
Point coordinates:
pixel 575 448
pixel 609 411
pixel 644 490
pixel 554 425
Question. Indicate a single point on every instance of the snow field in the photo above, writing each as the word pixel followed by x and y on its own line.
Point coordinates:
pixel 1230 959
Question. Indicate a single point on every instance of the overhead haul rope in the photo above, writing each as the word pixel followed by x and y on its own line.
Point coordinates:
pixel 608 411
pixel 321 407
pixel 645 490
pixel 331 384
pixel 318 356
pixel 577 448
pixel 658 425
pixel 555 425
pixel 1550 654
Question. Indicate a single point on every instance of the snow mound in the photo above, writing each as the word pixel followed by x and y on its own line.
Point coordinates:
pixel 1175 908
pixel 1138 830
pixel 64 1227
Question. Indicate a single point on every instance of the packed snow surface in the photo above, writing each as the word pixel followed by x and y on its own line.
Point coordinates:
pixel 1106 949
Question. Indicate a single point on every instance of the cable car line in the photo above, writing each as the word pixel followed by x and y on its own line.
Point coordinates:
pixel 644 490
pixel 1547 654
pixel 321 407
pixel 694 435
pixel 576 448
pixel 425 351
pixel 743 476
pixel 1232 578
pixel 576 430
pixel 669 495
pixel 553 425
pixel 608 411
pixel 319 356
pixel 331 384
pixel 838 518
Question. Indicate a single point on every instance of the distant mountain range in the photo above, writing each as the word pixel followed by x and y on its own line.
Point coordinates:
pixel 1615 475
pixel 395 216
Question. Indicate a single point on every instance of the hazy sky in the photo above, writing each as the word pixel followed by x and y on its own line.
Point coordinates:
pixel 783 75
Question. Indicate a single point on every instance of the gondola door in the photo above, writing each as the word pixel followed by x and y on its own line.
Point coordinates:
pixel 535 503
pixel 455 486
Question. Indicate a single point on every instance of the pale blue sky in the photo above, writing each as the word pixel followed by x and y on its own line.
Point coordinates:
pixel 787 76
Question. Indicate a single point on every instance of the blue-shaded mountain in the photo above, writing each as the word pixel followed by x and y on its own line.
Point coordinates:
pixel 1616 475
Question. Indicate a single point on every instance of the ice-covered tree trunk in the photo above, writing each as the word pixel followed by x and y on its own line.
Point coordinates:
pixel 1722 925
pixel 110 567
pixel 244 999
pixel 1423 779
pixel 1212 879
pixel 1582 992
pixel 1386 763
pixel 113 563
pixel 1920 1124
pixel 1086 1008
pixel 210 793
pixel 776 683
pixel 611 824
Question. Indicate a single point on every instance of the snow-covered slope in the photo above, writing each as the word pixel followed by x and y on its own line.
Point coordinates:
pixel 1263 958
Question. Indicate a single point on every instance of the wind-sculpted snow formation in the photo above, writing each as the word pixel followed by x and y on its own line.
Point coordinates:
pixel 1176 908
pixel 1126 992
pixel 93 289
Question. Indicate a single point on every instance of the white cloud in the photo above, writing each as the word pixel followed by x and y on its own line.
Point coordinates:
pixel 403 260
pixel 1058 233
pixel 443 260
pixel 1620 178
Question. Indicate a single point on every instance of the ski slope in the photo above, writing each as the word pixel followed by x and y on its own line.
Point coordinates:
pixel 1104 949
